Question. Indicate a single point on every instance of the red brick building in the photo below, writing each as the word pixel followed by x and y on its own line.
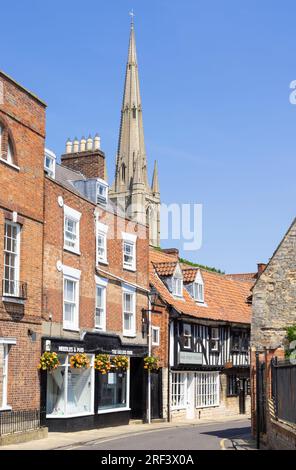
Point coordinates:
pixel 22 133
pixel 95 289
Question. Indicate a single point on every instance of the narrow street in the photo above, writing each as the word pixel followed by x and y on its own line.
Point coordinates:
pixel 199 437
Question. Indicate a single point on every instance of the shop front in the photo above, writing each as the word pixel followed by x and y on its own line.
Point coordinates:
pixel 85 397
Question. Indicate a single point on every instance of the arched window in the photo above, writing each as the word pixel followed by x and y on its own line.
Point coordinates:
pixel 6 146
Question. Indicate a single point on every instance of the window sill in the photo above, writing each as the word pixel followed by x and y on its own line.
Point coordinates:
pixel 75 252
pixel 13 300
pixel 6 408
pixel 155 344
pixel 11 165
pixel 76 415
pixel 128 268
pixel 112 410
pixel 129 335
pixel 102 261
pixel 76 330
pixel 178 408
pixel 99 328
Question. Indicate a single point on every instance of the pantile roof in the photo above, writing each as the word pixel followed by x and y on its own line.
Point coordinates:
pixel 225 298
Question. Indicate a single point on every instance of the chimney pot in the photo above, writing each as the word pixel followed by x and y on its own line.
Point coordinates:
pixel 76 145
pixel 82 144
pixel 97 142
pixel 89 143
pixel 68 146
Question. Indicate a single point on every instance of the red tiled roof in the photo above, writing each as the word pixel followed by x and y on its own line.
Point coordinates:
pixel 189 274
pixel 225 298
pixel 242 276
pixel 165 269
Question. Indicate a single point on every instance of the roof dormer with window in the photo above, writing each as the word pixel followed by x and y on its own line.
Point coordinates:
pixel 49 163
pixel 194 284
pixel 177 282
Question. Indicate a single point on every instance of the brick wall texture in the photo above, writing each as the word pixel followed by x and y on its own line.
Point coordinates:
pixel 23 118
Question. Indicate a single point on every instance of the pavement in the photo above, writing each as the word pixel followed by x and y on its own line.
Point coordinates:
pixel 83 439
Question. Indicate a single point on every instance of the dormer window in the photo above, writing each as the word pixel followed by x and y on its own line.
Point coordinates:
pixel 198 288
pixel 177 282
pixel 49 163
pixel 102 192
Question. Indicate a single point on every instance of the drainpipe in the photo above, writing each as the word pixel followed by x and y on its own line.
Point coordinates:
pixel 169 370
pixel 149 354
pixel 257 403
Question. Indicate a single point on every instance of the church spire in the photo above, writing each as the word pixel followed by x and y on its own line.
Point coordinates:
pixel 131 146
pixel 131 191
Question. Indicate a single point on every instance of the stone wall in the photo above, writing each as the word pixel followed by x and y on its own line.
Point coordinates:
pixel 274 296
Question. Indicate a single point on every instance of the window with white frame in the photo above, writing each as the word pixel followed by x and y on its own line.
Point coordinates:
pixel 178 390
pixel 102 230
pixel 102 191
pixel 187 336
pixel 11 259
pixel 71 298
pixel 100 314
pixel 70 391
pixel 177 282
pixel 198 288
pixel 129 251
pixel 155 335
pixel 71 229
pixel 129 311
pixel 49 163
pixel 207 389
pixel 214 339
pixel 113 391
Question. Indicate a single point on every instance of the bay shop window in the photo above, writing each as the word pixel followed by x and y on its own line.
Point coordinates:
pixel 206 389
pixel 71 392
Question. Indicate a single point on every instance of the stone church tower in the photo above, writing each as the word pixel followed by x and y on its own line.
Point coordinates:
pixel 131 191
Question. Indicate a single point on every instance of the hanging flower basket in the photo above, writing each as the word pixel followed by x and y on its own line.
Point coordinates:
pixel 48 361
pixel 151 363
pixel 102 363
pixel 79 361
pixel 120 362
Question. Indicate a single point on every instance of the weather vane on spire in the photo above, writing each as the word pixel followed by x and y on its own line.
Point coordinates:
pixel 131 13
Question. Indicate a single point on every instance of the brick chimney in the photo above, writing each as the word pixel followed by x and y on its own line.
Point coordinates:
pixel 172 251
pixel 86 157
pixel 260 268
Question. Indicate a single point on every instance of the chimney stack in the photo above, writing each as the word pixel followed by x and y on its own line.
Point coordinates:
pixel 86 157
pixel 171 251
pixel 260 268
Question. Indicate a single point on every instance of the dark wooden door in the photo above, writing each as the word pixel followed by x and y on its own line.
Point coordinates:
pixel 156 397
pixel 137 389
pixel 242 395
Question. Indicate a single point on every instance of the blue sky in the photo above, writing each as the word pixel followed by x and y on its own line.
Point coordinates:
pixel 215 78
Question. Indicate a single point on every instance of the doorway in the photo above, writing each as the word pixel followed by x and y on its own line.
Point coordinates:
pixel 190 406
pixel 156 394
pixel 137 388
